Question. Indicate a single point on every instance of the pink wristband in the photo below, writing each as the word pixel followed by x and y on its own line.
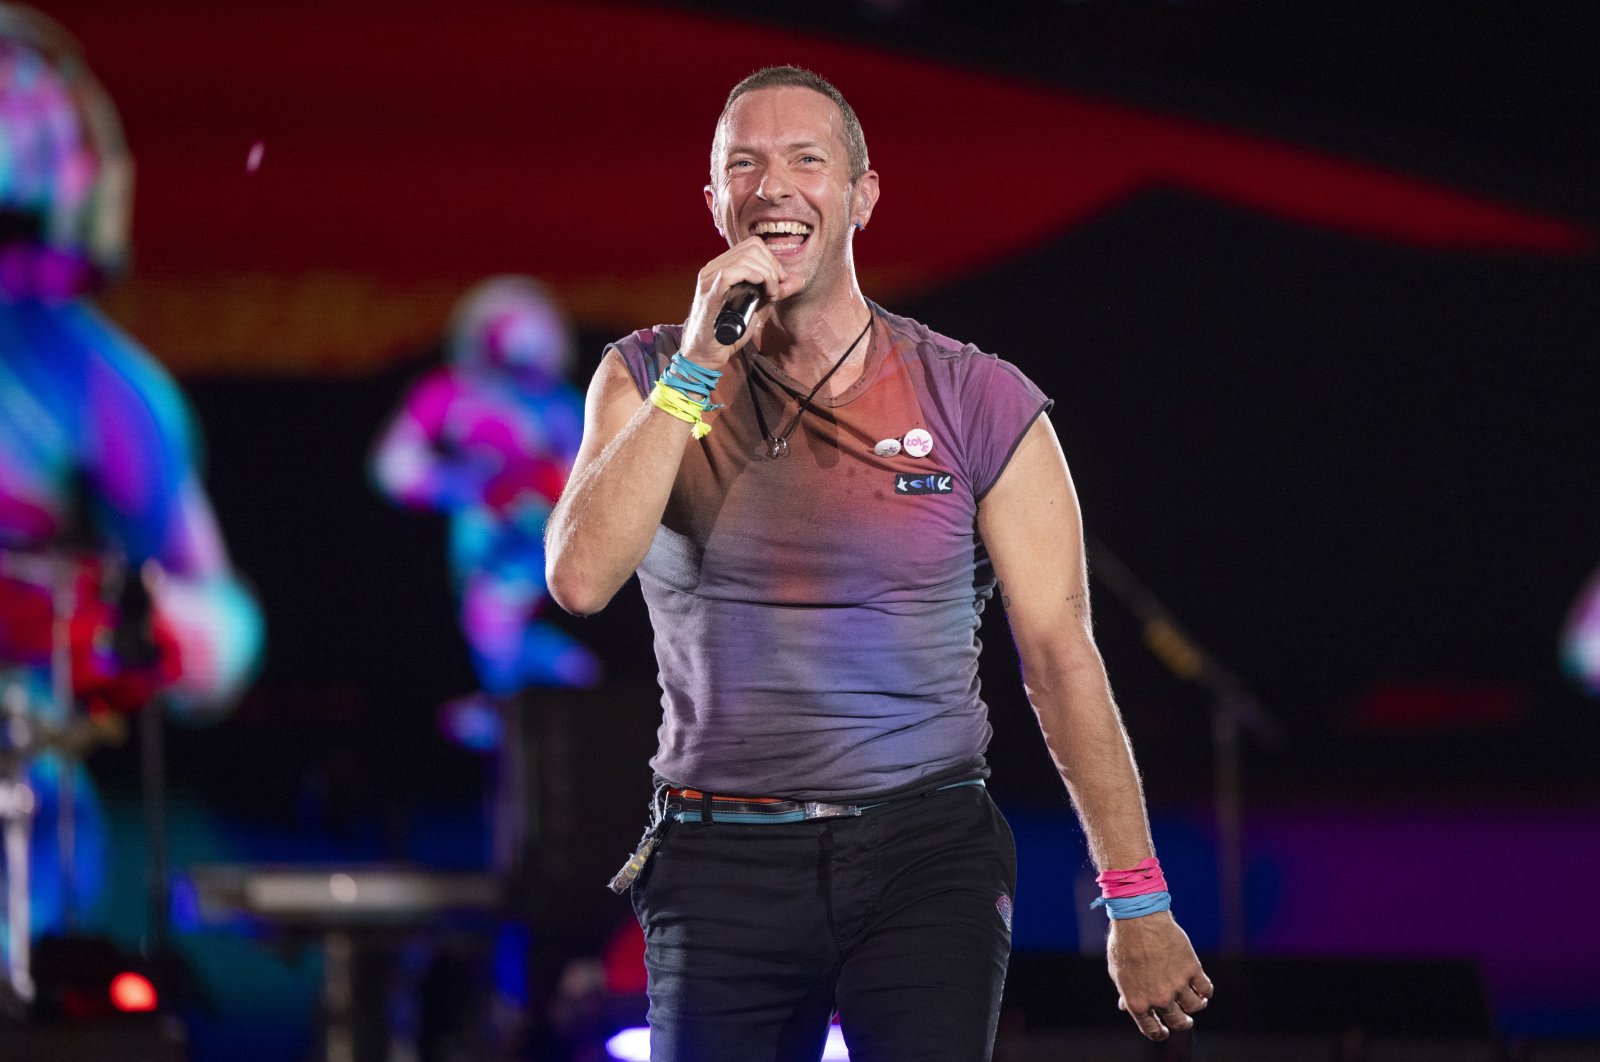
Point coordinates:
pixel 1142 879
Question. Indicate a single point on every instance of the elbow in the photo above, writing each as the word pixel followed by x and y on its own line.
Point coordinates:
pixel 573 592
pixel 582 572
pixel 1062 665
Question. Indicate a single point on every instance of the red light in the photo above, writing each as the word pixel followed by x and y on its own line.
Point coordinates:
pixel 132 992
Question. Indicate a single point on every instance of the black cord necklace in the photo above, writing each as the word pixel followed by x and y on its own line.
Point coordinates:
pixel 778 445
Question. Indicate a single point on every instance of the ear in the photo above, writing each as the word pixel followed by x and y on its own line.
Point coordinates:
pixel 711 205
pixel 863 197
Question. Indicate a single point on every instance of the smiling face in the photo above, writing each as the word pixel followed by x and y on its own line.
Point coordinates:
pixel 781 171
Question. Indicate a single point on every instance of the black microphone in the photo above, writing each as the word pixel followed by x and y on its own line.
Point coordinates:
pixel 737 309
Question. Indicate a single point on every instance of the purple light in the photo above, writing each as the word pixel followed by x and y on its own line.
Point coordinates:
pixel 630 1045
pixel 633 1045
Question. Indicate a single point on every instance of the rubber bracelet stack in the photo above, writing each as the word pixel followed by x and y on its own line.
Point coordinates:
pixel 681 406
pixel 684 390
pixel 693 380
pixel 1133 893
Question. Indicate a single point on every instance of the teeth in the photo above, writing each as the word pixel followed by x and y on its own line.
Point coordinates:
pixel 788 228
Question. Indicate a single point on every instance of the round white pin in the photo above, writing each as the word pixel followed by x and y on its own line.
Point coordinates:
pixel 887 448
pixel 918 442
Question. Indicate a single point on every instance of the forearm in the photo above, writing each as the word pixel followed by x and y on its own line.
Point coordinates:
pixel 1046 598
pixel 604 524
pixel 1089 746
pixel 606 519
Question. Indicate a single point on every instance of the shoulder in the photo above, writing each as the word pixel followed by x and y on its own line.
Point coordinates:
pixel 986 402
pixel 950 359
pixel 642 352
pixel 912 335
pixel 647 341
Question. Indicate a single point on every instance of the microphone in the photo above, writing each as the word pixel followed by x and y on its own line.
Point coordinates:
pixel 737 309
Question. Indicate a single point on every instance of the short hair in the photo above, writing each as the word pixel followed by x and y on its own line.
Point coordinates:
pixel 855 141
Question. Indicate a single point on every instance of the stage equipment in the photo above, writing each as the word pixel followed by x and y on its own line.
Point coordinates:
pixel 95 1001
pixel 358 916
pixel 62 647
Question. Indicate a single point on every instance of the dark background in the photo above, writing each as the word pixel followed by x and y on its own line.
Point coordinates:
pixel 1348 467
pixel 1360 472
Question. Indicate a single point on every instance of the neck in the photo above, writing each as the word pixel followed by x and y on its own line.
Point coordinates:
pixel 806 337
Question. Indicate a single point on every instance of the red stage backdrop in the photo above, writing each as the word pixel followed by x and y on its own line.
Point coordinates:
pixel 317 183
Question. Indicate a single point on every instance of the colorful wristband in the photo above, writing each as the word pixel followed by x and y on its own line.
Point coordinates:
pixel 1146 877
pixel 1137 891
pixel 680 405
pixel 1118 908
pixel 693 380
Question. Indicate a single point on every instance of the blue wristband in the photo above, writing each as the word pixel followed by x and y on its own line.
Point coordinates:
pixel 693 380
pixel 1135 906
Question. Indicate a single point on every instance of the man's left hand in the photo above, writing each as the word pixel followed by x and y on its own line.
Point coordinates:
pixel 1157 974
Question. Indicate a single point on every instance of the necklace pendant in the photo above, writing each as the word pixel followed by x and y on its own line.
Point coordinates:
pixel 778 445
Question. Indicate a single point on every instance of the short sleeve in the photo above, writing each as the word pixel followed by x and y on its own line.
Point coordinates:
pixel 998 406
pixel 644 351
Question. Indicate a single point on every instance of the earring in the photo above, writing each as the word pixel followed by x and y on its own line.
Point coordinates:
pixel 859 227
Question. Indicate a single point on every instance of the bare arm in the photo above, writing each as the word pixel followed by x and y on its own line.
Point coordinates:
pixel 603 525
pixel 607 516
pixel 1031 526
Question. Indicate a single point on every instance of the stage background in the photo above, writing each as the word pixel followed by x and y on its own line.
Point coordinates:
pixel 1312 287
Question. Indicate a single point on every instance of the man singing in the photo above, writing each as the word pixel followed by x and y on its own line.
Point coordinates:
pixel 818 512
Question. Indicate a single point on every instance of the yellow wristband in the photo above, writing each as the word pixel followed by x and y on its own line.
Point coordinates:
pixel 681 406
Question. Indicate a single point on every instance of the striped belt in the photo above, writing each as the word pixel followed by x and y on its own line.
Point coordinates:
pixel 692 805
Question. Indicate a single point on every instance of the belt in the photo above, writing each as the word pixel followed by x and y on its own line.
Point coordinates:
pixel 693 805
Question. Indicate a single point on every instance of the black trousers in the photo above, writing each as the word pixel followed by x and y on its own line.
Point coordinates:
pixel 899 919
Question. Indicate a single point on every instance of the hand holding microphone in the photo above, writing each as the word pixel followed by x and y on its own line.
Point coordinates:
pixel 730 289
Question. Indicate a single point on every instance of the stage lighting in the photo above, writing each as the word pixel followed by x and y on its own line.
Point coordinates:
pixel 633 1045
pixel 132 993
pixel 89 979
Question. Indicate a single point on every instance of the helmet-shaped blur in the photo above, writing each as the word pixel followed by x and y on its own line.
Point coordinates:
pixel 65 174
pixel 511 324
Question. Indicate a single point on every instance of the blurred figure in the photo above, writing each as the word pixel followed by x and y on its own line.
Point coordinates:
pixel 1580 636
pixel 114 583
pixel 489 438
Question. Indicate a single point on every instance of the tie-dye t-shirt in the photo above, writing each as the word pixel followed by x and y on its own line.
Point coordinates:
pixel 816 616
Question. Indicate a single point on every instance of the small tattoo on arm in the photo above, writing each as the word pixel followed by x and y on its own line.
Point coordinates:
pixel 1079 604
pixel 1005 600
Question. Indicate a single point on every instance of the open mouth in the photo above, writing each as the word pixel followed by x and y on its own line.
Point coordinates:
pixel 782 235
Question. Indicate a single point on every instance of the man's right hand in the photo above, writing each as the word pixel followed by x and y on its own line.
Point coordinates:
pixel 746 262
